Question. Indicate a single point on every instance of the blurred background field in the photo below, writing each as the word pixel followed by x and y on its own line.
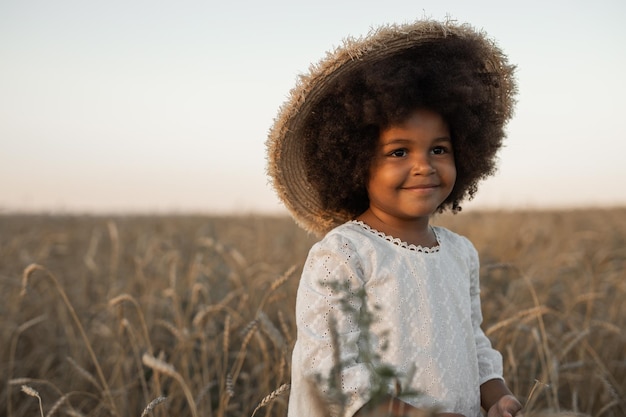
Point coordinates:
pixel 192 315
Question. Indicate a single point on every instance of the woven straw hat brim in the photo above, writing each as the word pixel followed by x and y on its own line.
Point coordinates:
pixel 285 144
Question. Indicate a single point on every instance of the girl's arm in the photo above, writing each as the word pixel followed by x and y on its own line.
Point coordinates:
pixel 495 397
pixel 326 360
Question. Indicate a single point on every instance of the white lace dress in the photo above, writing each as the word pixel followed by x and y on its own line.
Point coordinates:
pixel 427 318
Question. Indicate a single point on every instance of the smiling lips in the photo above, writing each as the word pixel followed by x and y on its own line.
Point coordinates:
pixel 421 187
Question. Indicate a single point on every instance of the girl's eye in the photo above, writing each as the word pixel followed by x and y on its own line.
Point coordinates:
pixel 440 150
pixel 398 153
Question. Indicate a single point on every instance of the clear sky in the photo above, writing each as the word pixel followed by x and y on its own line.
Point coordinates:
pixel 164 106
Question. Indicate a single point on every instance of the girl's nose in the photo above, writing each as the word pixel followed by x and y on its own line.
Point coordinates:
pixel 422 165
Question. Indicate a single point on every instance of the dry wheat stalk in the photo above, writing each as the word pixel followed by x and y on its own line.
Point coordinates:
pixel 144 327
pixel 278 282
pixel 532 312
pixel 271 397
pixel 55 407
pixel 228 382
pixel 83 372
pixel 27 381
pixel 221 306
pixel 275 285
pixel 573 273
pixel 542 339
pixel 28 271
pixel 230 386
pixel 614 403
pixel 167 369
pixel 179 335
pixel 531 394
pixel 152 405
pixel 197 289
pixel 205 391
pixel 284 328
pixel 159 365
pixel 266 359
pixel 238 258
pixel 126 325
pixel 13 348
pixel 274 334
pixel 30 391
pixel 114 236
pixel 233 374
pixel 91 252
pixel 226 341
pixel 20 381
pixel 64 399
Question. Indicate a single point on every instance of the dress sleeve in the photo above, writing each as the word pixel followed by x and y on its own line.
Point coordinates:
pixel 489 359
pixel 332 274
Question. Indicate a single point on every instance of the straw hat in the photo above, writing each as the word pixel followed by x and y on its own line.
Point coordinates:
pixel 285 144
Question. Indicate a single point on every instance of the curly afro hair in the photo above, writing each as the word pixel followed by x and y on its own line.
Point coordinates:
pixel 342 135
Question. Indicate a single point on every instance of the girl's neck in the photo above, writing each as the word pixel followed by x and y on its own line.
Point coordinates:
pixel 412 231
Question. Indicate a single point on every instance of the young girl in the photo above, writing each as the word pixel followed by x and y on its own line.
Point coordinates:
pixel 382 134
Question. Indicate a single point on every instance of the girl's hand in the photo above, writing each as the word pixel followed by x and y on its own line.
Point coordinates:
pixel 507 406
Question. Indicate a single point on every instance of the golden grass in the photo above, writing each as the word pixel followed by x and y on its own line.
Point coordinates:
pixel 137 316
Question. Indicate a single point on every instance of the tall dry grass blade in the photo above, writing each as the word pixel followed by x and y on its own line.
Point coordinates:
pixel 28 271
pixel 167 369
pixel 271 397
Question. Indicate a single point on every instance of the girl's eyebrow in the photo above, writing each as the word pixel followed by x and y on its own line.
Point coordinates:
pixel 443 139
pixel 402 141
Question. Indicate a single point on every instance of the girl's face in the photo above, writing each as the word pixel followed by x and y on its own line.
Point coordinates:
pixel 413 169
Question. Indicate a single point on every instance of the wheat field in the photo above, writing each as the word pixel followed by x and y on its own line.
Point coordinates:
pixel 193 315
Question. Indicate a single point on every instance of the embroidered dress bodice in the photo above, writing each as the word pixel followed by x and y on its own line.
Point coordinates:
pixel 426 303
